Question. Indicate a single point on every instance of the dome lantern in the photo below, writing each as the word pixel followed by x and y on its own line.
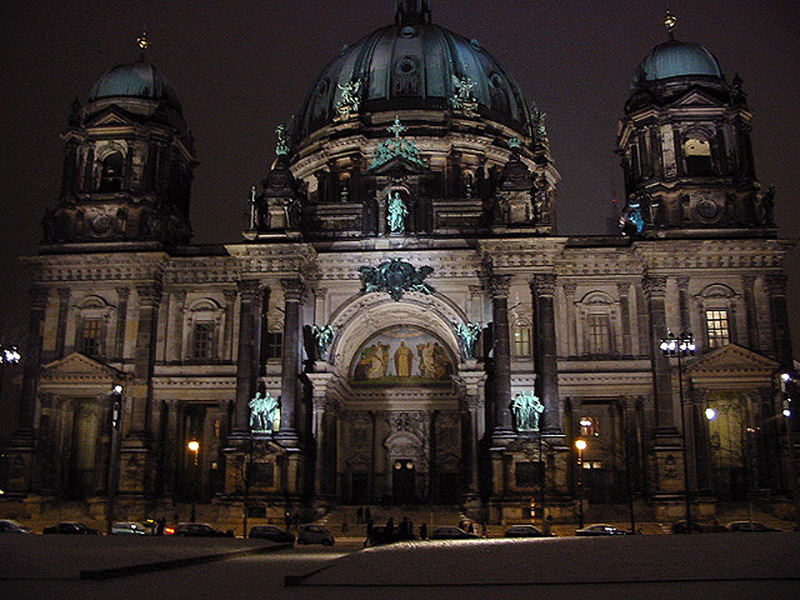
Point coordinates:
pixel 413 12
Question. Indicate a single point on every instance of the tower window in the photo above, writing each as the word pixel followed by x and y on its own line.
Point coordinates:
pixel 90 337
pixel 522 340
pixel 274 344
pixel 598 334
pixel 717 328
pixel 203 340
pixel 697 153
pixel 111 175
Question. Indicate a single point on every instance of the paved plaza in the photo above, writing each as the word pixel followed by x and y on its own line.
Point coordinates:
pixel 731 566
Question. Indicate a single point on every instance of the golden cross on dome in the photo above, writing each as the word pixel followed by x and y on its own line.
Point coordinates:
pixel 143 41
pixel 669 22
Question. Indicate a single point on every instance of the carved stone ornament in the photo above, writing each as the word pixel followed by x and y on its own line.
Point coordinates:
pixel 394 277
pixel 463 98
pixel 396 147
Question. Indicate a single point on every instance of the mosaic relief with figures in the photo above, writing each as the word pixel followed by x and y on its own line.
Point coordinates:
pixel 403 355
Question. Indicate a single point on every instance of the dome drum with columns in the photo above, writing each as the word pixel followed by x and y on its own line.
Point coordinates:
pixel 402 293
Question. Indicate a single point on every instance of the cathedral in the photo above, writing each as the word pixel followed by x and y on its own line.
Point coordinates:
pixel 401 321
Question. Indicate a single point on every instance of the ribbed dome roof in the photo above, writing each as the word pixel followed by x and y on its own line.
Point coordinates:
pixel 413 65
pixel 677 59
pixel 135 80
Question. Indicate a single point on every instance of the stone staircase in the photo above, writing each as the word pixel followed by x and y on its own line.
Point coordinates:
pixel 434 516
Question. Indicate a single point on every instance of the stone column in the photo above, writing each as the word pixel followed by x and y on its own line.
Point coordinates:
pixel 474 398
pixel 572 335
pixel 141 395
pixel 623 291
pixel 122 318
pixel 655 296
pixel 776 290
pixel 63 314
pixel 683 304
pixel 319 387
pixel 175 341
pixel 748 285
pixel 545 353
pixel 502 360
pixel 230 308
pixel 292 293
pixel 246 368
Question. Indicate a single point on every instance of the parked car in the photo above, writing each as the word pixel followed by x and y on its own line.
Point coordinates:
pixel 745 526
pixel 525 531
pixel 272 533
pixel 71 527
pixel 687 527
pixel 129 528
pixel 12 526
pixel 380 536
pixel 600 529
pixel 452 533
pixel 200 530
pixel 314 534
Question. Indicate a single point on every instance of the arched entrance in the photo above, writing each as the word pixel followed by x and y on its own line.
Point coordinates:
pixel 399 408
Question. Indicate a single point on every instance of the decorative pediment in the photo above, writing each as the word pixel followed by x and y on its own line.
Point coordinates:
pixel 77 368
pixel 696 97
pixel 398 165
pixel 732 359
pixel 112 116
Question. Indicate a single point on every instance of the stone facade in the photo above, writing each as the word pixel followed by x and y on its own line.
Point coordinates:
pixel 461 195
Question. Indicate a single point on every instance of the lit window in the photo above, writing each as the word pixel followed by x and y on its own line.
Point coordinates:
pixel 717 328
pixel 522 340
pixel 599 334
pixel 203 342
pixel 111 174
pixel 697 152
pixel 90 337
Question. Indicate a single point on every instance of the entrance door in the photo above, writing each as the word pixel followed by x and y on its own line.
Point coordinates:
pixel 403 482
pixel 359 490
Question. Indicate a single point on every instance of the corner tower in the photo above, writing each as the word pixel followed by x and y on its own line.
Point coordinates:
pixel 685 147
pixel 128 164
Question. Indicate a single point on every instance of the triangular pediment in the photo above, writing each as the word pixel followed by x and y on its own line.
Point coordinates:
pixel 112 116
pixel 397 164
pixel 732 359
pixel 696 98
pixel 79 367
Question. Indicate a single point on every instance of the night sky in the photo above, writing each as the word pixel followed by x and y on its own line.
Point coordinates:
pixel 241 68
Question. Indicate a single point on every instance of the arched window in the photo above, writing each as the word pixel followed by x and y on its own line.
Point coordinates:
pixel 697 154
pixel 598 324
pixel 92 326
pixel 718 304
pixel 111 173
pixel 204 320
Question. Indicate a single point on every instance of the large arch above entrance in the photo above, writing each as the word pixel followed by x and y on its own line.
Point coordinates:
pixel 362 317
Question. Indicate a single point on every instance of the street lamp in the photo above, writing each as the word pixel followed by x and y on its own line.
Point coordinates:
pixel 681 346
pixel 113 459
pixel 580 445
pixel 9 355
pixel 194 447
pixel 789 388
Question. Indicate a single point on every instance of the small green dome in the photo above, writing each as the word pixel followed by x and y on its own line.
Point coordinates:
pixel 677 59
pixel 135 80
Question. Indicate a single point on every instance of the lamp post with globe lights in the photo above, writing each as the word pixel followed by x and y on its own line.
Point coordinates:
pixel 791 391
pixel 681 346
pixel 580 446
pixel 113 460
pixel 194 447
pixel 9 355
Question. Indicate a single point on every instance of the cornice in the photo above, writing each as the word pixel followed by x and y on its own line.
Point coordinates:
pixel 98 267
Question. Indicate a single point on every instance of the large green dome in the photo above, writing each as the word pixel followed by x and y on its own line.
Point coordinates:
pixel 414 65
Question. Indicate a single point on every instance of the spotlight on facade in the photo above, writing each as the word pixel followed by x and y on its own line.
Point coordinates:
pixel 193 446
pixel 711 414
